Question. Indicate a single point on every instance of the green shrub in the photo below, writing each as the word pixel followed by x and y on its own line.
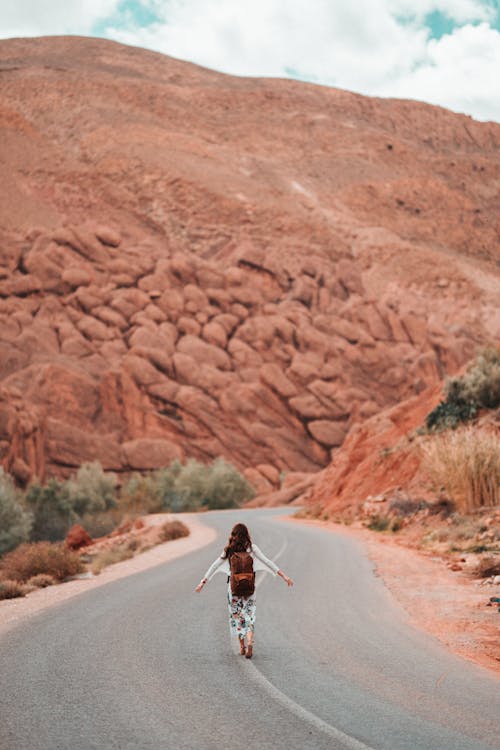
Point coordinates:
pixel 450 413
pixel 227 488
pixel 186 487
pixel 11 589
pixel 53 510
pixel 478 388
pixel 88 498
pixel 15 522
pixel 215 486
pixel 29 559
pixel 173 530
pixel 481 382
pixel 379 523
pixel 92 490
pixel 141 495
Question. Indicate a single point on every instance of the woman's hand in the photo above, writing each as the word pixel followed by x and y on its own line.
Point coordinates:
pixel 287 580
pixel 200 585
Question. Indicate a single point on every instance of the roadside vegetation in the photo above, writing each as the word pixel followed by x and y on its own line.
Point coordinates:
pixel 466 395
pixel 438 486
pixel 465 463
pixel 45 531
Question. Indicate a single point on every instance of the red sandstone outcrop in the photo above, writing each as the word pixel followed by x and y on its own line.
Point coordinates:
pixel 193 264
pixel 379 456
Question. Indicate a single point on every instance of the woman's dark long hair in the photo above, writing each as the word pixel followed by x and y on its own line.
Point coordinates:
pixel 239 540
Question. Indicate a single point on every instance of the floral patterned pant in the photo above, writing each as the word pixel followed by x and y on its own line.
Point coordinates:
pixel 241 613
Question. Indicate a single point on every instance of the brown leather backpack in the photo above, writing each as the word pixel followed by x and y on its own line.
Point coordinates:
pixel 242 574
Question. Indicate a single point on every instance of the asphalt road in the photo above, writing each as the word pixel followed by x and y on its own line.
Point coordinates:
pixel 144 663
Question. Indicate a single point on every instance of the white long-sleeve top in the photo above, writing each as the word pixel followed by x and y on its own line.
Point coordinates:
pixel 260 562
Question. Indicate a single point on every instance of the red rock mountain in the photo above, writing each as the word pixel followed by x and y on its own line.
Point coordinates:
pixel 194 264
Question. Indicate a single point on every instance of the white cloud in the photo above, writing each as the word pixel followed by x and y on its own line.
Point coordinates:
pixel 266 37
pixel 460 11
pixel 460 72
pixel 364 46
pixel 40 17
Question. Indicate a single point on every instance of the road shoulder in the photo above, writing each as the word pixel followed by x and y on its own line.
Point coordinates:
pixel 445 604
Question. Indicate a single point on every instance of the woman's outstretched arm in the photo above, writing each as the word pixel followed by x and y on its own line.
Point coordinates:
pixel 271 565
pixel 212 569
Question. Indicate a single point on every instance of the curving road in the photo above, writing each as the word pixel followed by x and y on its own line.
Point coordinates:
pixel 144 663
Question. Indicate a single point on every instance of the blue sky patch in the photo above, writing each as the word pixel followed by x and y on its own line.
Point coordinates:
pixel 439 24
pixel 129 13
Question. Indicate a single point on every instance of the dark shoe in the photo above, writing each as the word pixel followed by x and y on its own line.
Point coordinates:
pixel 249 652
pixel 242 647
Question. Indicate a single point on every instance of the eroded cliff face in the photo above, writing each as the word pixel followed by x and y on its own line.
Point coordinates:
pixel 198 265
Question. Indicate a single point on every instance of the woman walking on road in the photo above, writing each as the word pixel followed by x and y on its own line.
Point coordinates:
pixel 239 560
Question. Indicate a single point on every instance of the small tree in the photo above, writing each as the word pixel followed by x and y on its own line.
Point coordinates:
pixel 226 487
pixel 191 485
pixel 15 521
pixel 92 490
pixel 52 510
pixel 140 495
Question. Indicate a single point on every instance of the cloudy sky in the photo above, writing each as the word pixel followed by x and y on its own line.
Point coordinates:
pixel 442 51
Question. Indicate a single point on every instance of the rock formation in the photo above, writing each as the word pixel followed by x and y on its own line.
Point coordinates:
pixel 194 264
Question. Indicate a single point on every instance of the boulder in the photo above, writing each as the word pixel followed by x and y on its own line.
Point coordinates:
pixel 201 351
pixel 276 379
pixel 144 454
pixel 76 276
pixel 67 445
pixel 327 432
pixel 214 333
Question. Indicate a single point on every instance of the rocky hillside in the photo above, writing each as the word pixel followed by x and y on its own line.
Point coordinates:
pixel 194 264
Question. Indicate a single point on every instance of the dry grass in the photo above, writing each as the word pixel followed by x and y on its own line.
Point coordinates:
pixel 466 463
pixel 11 589
pixel 109 557
pixel 28 560
pixel 41 580
pixel 173 530
pixel 488 566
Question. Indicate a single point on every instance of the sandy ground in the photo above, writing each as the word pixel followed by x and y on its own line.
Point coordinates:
pixel 14 611
pixel 449 605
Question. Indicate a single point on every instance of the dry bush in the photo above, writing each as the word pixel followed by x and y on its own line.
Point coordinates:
pixel 134 545
pixel 11 589
pixel 29 587
pixel 466 463
pixel 28 560
pixel 77 537
pixel 488 566
pixel 110 556
pixel 41 580
pixel 173 530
